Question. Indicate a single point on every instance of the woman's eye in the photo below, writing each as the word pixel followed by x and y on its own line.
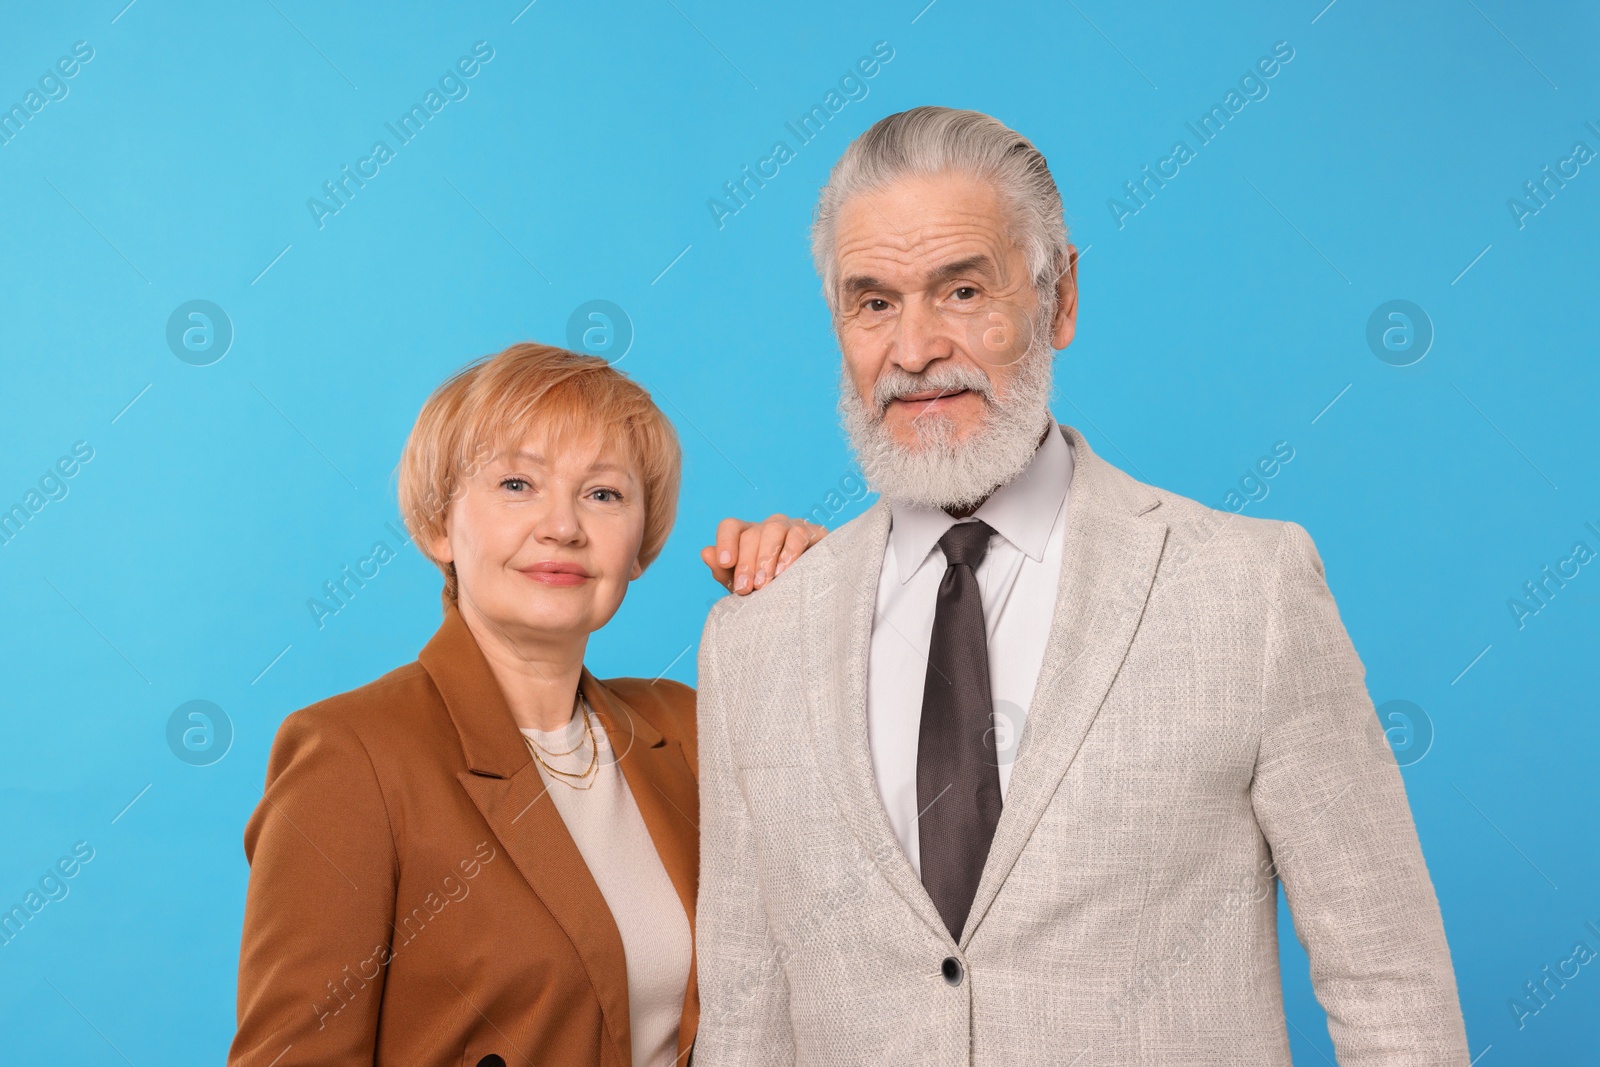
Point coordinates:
pixel 516 485
pixel 607 496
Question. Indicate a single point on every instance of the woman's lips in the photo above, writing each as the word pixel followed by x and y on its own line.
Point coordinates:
pixel 557 573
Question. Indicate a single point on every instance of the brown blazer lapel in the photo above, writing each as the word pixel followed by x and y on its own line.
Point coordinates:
pixel 504 783
pixel 666 793
pixel 658 777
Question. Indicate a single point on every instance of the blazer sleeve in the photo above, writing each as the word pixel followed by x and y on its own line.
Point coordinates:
pixel 320 903
pixel 744 993
pixel 1329 798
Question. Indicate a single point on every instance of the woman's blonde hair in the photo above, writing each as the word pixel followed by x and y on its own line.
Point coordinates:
pixel 494 403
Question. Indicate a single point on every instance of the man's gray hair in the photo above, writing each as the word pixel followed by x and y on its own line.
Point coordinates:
pixel 932 140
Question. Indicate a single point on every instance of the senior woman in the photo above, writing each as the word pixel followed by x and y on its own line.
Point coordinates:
pixel 489 856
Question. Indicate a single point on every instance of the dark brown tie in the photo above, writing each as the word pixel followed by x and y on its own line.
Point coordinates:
pixel 958 774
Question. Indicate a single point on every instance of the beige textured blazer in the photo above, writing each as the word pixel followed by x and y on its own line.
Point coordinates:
pixel 1201 728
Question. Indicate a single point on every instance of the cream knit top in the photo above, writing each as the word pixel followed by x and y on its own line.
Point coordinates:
pixel 615 844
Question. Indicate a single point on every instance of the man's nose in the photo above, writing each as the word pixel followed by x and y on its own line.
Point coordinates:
pixel 923 338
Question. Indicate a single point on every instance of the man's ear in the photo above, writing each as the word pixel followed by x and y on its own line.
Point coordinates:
pixel 1065 324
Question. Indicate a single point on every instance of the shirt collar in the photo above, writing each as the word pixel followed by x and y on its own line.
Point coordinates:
pixel 1023 511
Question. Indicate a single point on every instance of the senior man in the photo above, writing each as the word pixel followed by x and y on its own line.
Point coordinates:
pixel 1007 770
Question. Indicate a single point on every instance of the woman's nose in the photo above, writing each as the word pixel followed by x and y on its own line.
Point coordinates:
pixel 559 522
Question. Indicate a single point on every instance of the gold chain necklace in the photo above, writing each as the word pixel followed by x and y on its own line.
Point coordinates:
pixel 577 698
pixel 581 707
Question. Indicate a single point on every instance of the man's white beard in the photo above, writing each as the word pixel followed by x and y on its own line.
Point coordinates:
pixel 939 471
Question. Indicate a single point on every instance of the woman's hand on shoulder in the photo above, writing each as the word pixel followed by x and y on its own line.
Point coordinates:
pixel 748 555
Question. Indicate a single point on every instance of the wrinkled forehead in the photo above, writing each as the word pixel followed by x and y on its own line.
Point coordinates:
pixel 908 232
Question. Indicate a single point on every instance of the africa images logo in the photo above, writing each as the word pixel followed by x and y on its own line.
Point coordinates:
pixel 1207 128
pixel 807 128
pixel 452 87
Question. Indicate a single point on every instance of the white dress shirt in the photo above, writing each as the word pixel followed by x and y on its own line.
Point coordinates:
pixel 1019 577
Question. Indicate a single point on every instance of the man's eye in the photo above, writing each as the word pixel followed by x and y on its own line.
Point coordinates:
pixel 876 304
pixel 965 292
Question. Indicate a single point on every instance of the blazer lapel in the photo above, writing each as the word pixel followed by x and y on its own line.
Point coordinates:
pixel 658 776
pixel 665 791
pixel 842 601
pixel 1112 546
pixel 503 781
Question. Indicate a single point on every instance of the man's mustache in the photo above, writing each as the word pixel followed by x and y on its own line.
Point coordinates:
pixel 898 383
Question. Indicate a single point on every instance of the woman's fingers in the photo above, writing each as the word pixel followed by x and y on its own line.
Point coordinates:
pixel 774 534
pixel 801 536
pixel 728 531
pixel 723 575
pixel 749 555
pixel 744 567
pixel 722 556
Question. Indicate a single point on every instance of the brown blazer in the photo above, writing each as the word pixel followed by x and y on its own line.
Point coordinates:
pixel 415 898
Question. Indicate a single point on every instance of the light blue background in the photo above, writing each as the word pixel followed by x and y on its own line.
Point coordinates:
pixel 1223 317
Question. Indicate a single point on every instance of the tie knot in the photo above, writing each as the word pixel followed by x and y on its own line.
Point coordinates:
pixel 966 543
